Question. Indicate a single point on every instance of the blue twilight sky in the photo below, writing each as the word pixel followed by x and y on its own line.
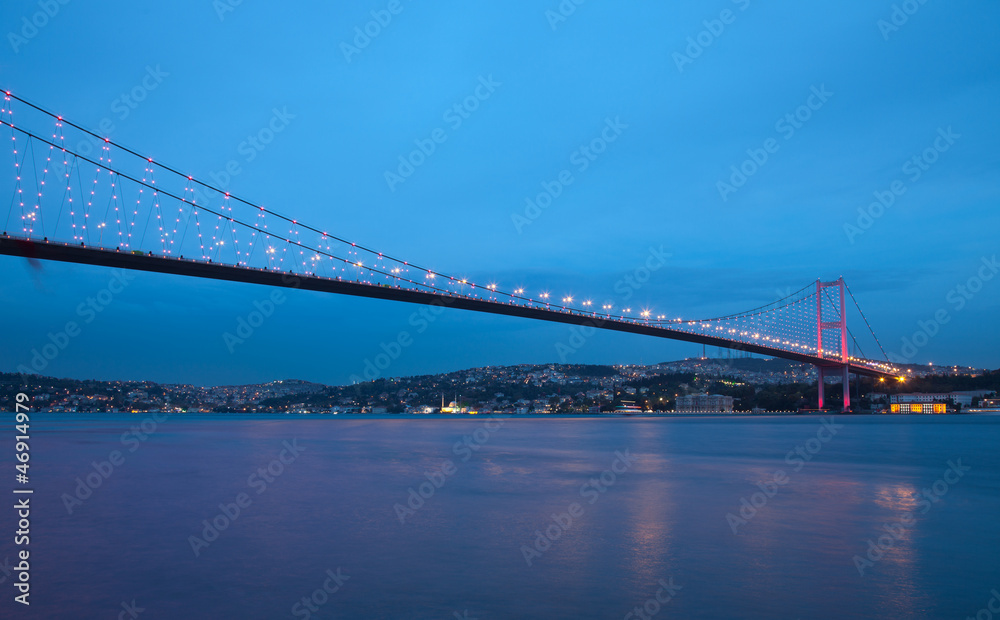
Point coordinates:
pixel 884 86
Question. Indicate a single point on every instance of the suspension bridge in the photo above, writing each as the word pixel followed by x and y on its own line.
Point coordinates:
pixel 79 197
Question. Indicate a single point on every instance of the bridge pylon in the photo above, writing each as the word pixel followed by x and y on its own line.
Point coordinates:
pixel 839 323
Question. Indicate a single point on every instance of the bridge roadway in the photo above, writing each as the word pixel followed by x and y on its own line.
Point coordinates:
pixel 14 246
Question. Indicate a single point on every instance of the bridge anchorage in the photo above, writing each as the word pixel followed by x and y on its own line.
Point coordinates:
pixel 79 197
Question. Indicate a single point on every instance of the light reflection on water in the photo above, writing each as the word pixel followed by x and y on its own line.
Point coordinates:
pixel 665 517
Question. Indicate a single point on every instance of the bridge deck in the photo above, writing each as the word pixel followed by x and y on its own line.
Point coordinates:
pixel 200 269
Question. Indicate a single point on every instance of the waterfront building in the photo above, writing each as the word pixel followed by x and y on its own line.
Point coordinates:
pixel 918 408
pixel 704 402
pixel 963 398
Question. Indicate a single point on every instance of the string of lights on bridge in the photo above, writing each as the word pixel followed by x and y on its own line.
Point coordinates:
pixel 74 186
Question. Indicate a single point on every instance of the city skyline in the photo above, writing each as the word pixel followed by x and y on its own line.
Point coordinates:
pixel 751 385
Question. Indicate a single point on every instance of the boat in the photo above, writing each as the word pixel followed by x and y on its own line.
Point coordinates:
pixel 627 407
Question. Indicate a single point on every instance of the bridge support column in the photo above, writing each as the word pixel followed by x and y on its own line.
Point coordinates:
pixel 847 389
pixel 845 374
pixel 819 371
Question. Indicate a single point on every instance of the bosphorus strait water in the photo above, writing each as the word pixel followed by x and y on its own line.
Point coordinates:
pixel 524 517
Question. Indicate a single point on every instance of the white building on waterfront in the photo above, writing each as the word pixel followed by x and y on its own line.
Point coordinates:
pixel 959 398
pixel 704 402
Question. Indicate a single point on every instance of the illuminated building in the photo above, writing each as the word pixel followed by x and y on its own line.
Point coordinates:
pixel 918 408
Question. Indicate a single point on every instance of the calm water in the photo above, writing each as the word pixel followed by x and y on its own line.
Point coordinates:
pixel 663 516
